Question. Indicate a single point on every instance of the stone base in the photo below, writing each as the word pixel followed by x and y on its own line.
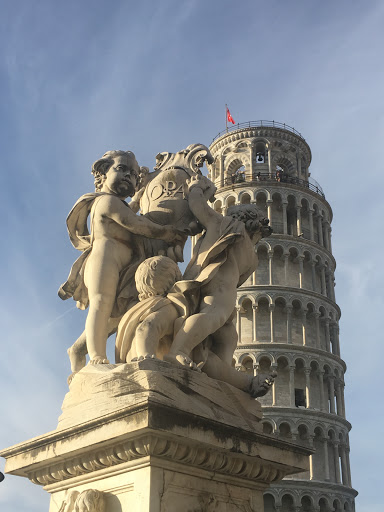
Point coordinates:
pixel 155 438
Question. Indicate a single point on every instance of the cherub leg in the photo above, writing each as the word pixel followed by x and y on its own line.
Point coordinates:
pixel 225 341
pixel 102 285
pixel 78 351
pixel 152 329
pixel 214 312
pixel 256 386
pixel 216 368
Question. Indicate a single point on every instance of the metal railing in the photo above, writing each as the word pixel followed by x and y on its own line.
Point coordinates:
pixel 258 124
pixel 265 177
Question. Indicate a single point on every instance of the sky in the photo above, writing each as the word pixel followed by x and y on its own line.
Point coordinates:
pixel 78 78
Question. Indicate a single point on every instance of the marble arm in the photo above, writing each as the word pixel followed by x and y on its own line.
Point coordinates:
pixel 137 224
pixel 200 209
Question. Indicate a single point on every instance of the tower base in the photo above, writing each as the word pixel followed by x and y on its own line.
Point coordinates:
pixel 154 438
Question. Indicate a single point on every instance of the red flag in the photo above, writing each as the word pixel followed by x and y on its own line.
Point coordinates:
pixel 229 117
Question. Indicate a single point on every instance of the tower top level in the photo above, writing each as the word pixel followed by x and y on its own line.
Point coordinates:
pixel 262 151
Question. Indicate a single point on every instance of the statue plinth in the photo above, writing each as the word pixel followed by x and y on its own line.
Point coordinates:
pixel 153 437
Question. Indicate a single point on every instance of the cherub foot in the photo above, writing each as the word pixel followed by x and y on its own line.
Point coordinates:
pixel 181 359
pixel 144 356
pixel 99 360
pixel 261 384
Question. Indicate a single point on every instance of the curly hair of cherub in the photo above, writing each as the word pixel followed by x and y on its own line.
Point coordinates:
pixel 101 166
pixel 250 214
pixel 155 276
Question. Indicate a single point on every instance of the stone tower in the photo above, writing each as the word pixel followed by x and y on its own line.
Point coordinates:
pixel 287 316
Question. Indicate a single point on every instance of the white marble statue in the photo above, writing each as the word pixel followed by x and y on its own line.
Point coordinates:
pixel 111 251
pixel 128 274
pixel 189 321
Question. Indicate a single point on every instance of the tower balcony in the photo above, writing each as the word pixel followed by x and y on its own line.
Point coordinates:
pixel 256 124
pixel 262 178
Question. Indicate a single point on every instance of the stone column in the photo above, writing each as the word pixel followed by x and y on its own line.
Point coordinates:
pixel 317 322
pixel 292 385
pixel 321 386
pixel 330 238
pixel 326 458
pixel 299 165
pixel 252 162
pixel 328 276
pixel 269 208
pixel 332 393
pixel 273 367
pixel 270 258
pixel 270 162
pixel 344 469
pixel 298 220
pixel 221 171
pixel 307 372
pixel 320 230
pixel 255 369
pixel 332 337
pixel 323 284
pixel 337 339
pixel 311 474
pixel 336 459
pixel 271 309
pixel 238 322
pixel 348 466
pixel 311 232
pixel 286 257
pixel 304 327
pixel 338 398
pixel 253 278
pixel 327 335
pixel 289 323
pixel 331 285
pixel 342 399
pixel 313 265
pixel 326 239
pixel 254 322
pixel 285 228
pixel 301 270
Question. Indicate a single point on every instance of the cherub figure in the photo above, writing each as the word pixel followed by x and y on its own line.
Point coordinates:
pixel 224 257
pixel 147 329
pixel 111 251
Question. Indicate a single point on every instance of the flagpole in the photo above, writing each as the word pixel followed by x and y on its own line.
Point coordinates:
pixel 226 118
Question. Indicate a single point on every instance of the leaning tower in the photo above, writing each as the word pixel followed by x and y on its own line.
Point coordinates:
pixel 287 316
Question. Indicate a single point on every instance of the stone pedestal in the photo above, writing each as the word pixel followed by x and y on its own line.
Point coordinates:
pixel 155 438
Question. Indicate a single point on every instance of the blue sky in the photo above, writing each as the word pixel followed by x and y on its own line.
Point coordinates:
pixel 78 78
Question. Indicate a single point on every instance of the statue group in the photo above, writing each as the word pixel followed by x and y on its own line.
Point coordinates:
pixel 128 275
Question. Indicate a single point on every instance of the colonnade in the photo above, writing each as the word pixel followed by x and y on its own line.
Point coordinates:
pixel 288 214
pixel 323 390
pixel 321 279
pixel 326 329
pixel 306 503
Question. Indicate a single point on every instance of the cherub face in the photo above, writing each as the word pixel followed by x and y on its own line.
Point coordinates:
pixel 121 177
